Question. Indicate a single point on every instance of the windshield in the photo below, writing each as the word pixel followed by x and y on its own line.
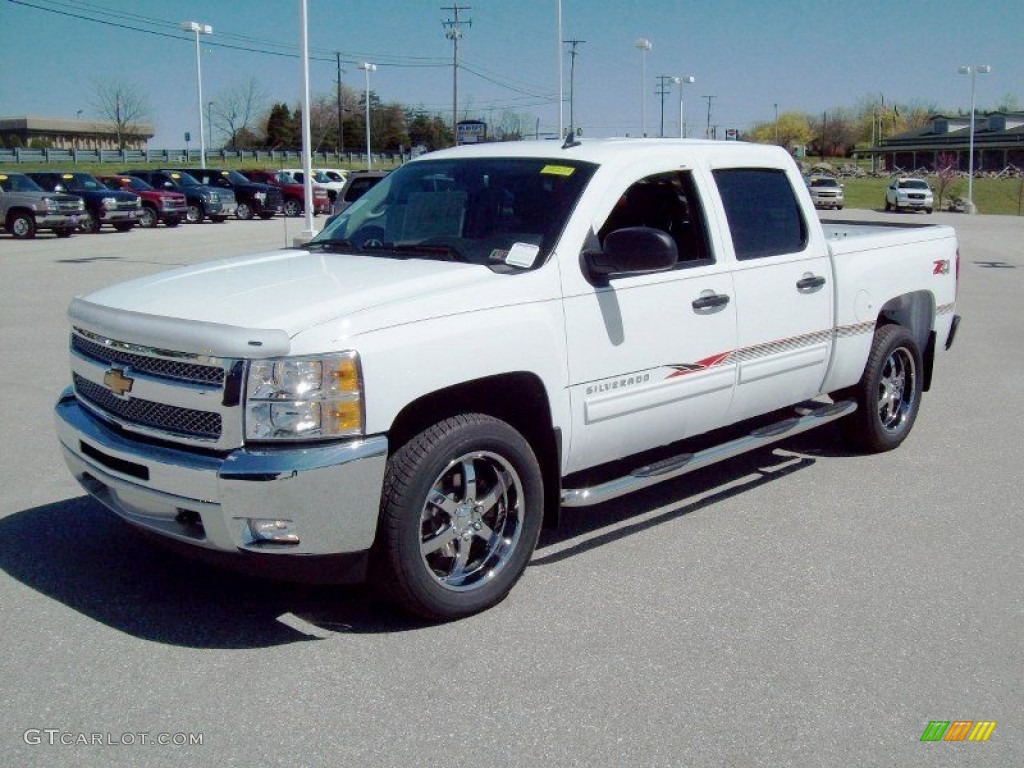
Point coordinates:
pixel 78 182
pixel 914 184
pixel 184 179
pixel 824 183
pixel 136 183
pixel 235 177
pixel 17 182
pixel 491 211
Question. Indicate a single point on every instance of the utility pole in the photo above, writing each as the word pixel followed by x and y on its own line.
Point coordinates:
pixel 707 131
pixel 572 83
pixel 341 122
pixel 776 123
pixel 662 92
pixel 453 31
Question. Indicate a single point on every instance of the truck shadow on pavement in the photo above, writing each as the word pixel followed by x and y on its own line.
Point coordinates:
pixel 82 556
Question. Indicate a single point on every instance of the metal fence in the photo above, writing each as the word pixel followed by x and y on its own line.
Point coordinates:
pixel 19 155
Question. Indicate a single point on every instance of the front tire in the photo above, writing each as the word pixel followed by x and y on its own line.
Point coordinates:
pixel 124 227
pixel 267 215
pixel 148 218
pixel 889 392
pixel 292 207
pixel 89 224
pixel 461 511
pixel 22 226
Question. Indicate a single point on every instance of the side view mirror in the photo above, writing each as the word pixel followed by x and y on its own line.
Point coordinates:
pixel 168 185
pixel 58 187
pixel 633 251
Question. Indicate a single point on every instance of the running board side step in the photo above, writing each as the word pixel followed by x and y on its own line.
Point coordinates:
pixel 808 416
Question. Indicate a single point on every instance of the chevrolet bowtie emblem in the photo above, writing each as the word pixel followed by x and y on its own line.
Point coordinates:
pixel 117 382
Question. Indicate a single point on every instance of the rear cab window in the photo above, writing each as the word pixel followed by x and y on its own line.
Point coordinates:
pixel 764 215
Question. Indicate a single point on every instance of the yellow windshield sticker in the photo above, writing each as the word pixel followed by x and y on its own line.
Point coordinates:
pixel 67 176
pixel 2 177
pixel 223 173
pixel 175 175
pixel 558 170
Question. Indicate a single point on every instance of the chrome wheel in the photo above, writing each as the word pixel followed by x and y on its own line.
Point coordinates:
pixel 292 208
pixel 897 390
pixel 194 214
pixel 22 226
pixel 472 520
pixel 148 217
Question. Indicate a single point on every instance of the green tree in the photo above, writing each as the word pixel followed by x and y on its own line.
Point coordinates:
pixel 280 131
pixel 792 130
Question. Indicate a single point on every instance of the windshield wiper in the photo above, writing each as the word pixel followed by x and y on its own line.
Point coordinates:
pixel 339 242
pixel 439 251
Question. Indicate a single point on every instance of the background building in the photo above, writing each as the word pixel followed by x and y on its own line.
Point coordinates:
pixel 64 133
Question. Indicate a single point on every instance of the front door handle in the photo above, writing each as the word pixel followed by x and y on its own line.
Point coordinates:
pixel 711 301
pixel 809 282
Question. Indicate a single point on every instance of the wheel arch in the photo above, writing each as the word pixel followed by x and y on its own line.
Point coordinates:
pixel 915 311
pixel 528 411
pixel 14 210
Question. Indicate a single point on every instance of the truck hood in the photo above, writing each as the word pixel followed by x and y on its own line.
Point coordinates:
pixel 254 305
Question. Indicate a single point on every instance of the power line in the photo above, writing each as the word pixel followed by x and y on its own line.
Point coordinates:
pixel 663 90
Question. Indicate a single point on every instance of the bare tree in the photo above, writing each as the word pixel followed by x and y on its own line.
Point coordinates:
pixel 947 172
pixel 123 105
pixel 236 108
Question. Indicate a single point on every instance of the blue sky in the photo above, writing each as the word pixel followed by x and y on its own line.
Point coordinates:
pixel 808 56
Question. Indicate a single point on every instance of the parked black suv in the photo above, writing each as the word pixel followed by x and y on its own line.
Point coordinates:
pixel 203 201
pixel 254 199
pixel 102 206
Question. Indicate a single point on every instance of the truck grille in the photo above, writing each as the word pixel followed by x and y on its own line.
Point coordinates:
pixel 181 397
pixel 154 366
pixel 167 418
pixel 69 206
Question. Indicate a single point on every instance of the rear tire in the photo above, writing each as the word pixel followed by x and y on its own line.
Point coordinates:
pixel 267 215
pixel 122 227
pixel 888 394
pixel 218 219
pixel 89 224
pixel 64 231
pixel 195 214
pixel 173 221
pixel 461 510
pixel 244 212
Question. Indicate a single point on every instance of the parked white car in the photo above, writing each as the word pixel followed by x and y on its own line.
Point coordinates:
pixel 912 194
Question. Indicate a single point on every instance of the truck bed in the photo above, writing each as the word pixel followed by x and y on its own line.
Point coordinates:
pixel 853 236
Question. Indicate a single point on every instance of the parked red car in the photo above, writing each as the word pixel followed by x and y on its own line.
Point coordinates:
pixel 157 204
pixel 294 193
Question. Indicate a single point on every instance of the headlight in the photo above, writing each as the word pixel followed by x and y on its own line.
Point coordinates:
pixel 48 204
pixel 261 196
pixel 304 398
pixel 109 202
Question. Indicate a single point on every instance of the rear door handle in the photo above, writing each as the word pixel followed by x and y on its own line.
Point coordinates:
pixel 807 283
pixel 711 301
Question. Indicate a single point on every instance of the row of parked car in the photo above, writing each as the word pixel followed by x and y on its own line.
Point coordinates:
pixel 66 201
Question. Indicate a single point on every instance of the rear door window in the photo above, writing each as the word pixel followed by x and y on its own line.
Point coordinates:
pixel 764 216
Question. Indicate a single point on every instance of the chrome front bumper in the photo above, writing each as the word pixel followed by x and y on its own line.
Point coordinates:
pixel 329 495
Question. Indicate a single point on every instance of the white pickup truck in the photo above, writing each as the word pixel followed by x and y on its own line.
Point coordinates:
pixel 483 339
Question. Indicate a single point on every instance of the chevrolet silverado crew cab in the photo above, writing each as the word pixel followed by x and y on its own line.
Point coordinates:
pixel 25 208
pixel 119 209
pixel 489 334
pixel 157 204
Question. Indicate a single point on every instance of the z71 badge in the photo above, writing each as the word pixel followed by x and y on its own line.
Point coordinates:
pixel 941 267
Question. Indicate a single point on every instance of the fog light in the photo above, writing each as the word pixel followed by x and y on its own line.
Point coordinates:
pixel 273 531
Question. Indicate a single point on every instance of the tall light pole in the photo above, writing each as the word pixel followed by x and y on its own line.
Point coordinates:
pixel 972 70
pixel 307 161
pixel 209 122
pixel 680 81
pixel 367 68
pixel 561 77
pixel 199 29
pixel 644 45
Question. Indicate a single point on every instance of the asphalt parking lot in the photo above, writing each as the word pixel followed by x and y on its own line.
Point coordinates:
pixel 799 606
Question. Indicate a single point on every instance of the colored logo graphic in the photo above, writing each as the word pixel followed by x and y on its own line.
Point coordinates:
pixel 958 730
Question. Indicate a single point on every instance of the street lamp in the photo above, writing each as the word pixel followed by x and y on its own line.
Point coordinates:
pixel 972 70
pixel 367 69
pixel 644 45
pixel 199 29
pixel 680 81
